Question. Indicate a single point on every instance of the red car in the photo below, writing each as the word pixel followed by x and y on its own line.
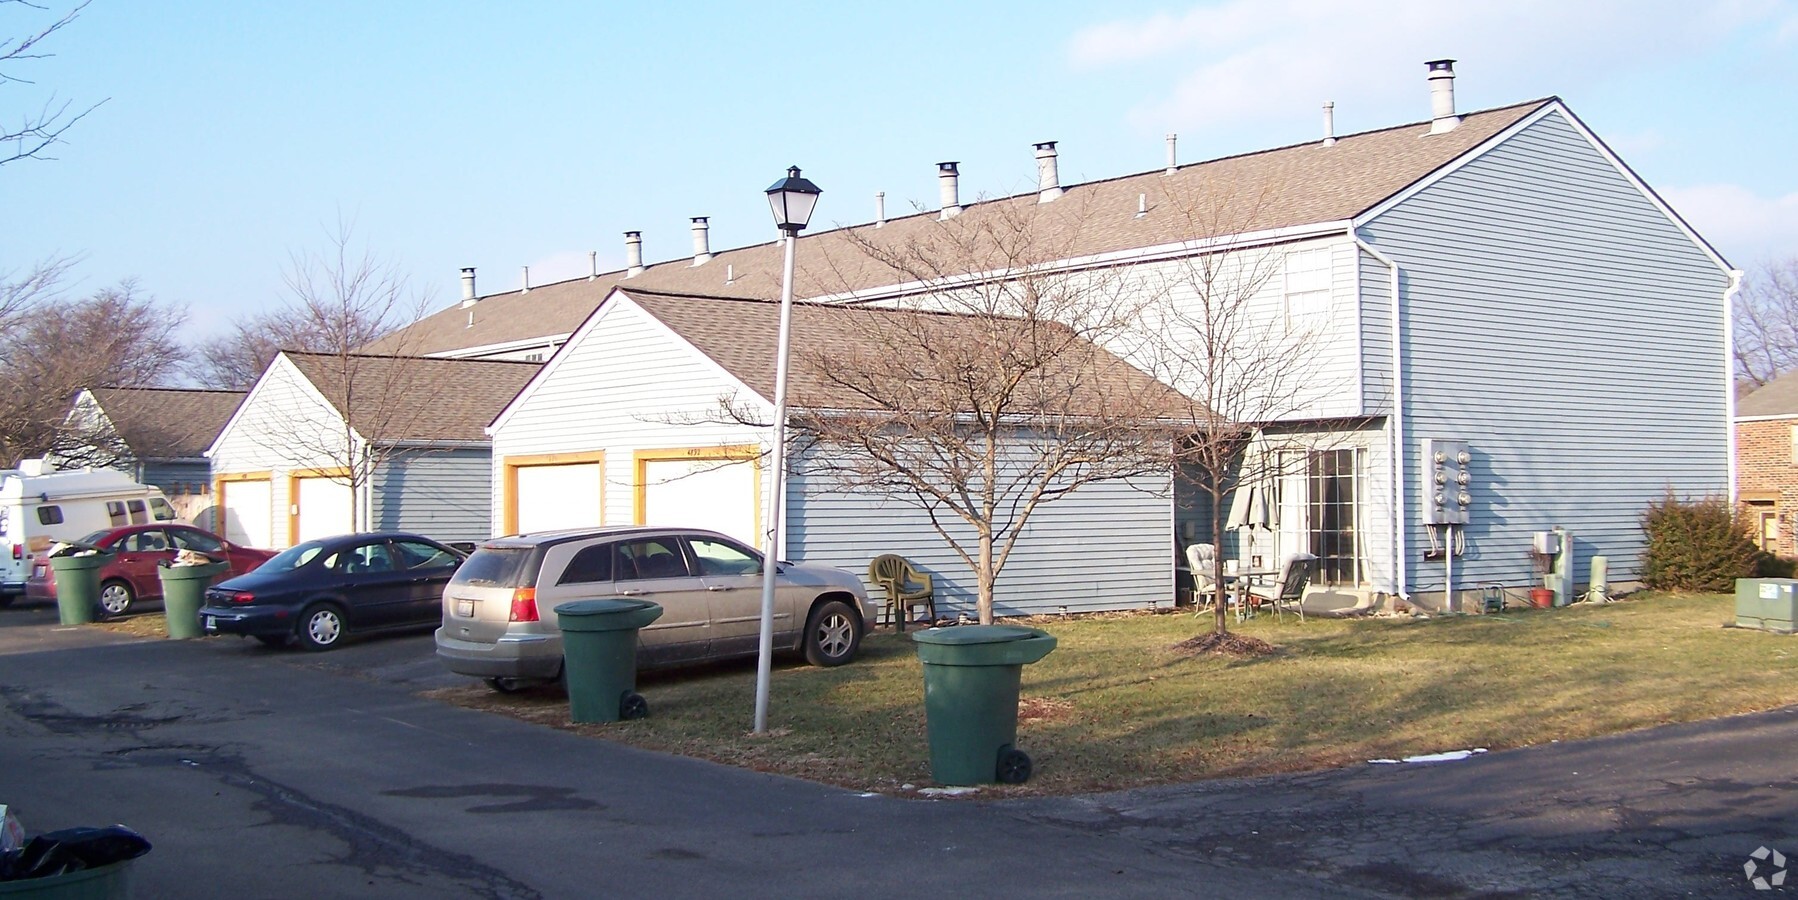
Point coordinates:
pixel 131 577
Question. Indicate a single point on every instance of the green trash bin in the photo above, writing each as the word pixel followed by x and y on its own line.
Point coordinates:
pixel 108 882
pixel 78 586
pixel 183 593
pixel 599 657
pixel 971 675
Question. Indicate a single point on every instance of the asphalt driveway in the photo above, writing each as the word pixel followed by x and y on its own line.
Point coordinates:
pixel 283 774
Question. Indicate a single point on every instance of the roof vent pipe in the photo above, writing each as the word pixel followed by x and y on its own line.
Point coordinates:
pixel 468 294
pixel 1442 96
pixel 592 264
pixel 1048 180
pixel 1171 165
pixel 702 245
pixel 525 279
pixel 1329 123
pixel 880 208
pixel 947 174
pixel 633 254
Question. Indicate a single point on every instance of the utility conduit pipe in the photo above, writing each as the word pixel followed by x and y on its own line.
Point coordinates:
pixel 1396 425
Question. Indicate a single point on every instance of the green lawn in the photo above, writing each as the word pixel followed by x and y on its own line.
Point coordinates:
pixel 1115 707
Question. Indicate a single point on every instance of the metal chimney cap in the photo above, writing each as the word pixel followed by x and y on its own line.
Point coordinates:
pixel 948 168
pixel 1441 65
pixel 1046 145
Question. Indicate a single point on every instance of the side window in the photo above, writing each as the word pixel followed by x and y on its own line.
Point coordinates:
pixel 161 511
pixel 651 558
pixel 194 540
pixel 716 557
pixel 146 542
pixel 365 560
pixel 49 515
pixel 424 556
pixel 116 512
pixel 139 513
pixel 589 565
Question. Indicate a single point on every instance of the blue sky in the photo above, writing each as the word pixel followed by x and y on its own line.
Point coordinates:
pixel 505 135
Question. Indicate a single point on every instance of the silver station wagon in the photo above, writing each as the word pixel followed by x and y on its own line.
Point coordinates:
pixel 499 620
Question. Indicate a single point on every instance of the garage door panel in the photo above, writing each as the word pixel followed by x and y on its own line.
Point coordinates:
pixel 247 508
pixel 715 494
pixel 324 508
pixel 556 497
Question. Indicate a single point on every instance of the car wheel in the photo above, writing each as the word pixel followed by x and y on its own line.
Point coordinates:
pixel 115 598
pixel 274 640
pixel 1014 767
pixel 832 634
pixel 321 627
pixel 506 685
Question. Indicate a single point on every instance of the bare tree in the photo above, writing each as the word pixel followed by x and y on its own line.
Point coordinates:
pixel 233 361
pixel 35 132
pixel 1766 322
pixel 1246 359
pixel 118 337
pixel 989 397
pixel 339 300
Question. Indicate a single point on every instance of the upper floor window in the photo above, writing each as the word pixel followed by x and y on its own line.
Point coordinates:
pixel 1308 289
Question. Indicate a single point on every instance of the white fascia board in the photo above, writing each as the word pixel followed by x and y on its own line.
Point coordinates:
pixel 548 341
pixel 436 445
pixel 1745 419
pixel 554 364
pixel 1548 109
pixel 1157 253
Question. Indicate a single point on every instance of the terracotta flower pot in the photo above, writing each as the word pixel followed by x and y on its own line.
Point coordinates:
pixel 1542 598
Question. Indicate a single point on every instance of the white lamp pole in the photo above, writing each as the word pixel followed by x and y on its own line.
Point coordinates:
pixel 792 198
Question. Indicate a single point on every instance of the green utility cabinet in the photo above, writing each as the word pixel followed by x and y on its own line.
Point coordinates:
pixel 1769 604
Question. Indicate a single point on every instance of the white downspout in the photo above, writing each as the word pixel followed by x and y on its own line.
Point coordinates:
pixel 1729 375
pixel 1396 424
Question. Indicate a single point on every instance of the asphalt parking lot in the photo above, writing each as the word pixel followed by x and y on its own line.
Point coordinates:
pixel 272 773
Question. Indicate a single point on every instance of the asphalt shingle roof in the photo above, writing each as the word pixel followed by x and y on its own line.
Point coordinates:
pixel 1778 397
pixel 167 423
pixel 1288 186
pixel 399 398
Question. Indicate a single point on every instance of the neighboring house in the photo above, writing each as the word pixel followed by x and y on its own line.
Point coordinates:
pixel 1767 462
pixel 624 426
pixel 326 444
pixel 158 436
pixel 1498 278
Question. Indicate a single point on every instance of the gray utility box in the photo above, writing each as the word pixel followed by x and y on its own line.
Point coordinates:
pixel 1770 604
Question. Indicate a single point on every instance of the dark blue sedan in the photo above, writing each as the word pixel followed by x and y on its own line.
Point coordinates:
pixel 318 592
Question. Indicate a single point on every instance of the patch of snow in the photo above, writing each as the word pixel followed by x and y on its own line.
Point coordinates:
pixel 1450 756
pixel 949 791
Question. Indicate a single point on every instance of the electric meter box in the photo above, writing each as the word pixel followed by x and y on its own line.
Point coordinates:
pixel 1447 482
pixel 1546 543
pixel 1769 604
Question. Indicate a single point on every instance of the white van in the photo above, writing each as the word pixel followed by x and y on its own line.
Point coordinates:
pixel 39 507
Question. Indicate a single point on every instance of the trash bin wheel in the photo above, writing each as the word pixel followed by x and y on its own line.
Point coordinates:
pixel 632 706
pixel 1014 766
pixel 115 598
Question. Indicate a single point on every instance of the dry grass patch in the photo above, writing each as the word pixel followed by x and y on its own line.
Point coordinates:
pixel 144 625
pixel 1116 705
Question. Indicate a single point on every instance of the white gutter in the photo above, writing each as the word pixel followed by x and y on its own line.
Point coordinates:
pixel 1729 375
pixel 1395 424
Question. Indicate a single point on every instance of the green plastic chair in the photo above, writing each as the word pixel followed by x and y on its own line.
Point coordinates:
pixel 892 572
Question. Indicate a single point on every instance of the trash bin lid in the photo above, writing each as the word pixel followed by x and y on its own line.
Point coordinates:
pixel 601 607
pixel 974 634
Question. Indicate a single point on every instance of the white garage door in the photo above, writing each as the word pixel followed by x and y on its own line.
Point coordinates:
pixel 553 497
pixel 707 493
pixel 246 506
pixel 324 508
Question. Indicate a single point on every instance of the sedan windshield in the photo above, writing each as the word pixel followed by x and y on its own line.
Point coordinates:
pixel 294 557
pixel 95 537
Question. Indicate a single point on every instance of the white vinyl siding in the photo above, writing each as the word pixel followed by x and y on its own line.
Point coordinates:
pixel 1566 328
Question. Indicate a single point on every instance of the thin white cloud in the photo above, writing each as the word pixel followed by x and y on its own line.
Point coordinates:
pixel 1744 226
pixel 1246 60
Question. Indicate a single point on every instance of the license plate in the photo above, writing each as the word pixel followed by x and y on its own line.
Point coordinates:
pixel 210 623
pixel 465 608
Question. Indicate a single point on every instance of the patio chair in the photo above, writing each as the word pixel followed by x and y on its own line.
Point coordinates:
pixel 893 573
pixel 1295 575
pixel 1199 561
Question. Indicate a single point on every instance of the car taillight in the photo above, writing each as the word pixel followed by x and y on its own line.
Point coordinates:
pixel 524 605
pixel 18 551
pixel 243 597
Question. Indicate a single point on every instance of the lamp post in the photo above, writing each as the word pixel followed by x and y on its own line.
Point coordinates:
pixel 792 198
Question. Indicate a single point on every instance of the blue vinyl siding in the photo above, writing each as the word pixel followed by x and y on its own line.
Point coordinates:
pixel 1566 328
pixel 445 494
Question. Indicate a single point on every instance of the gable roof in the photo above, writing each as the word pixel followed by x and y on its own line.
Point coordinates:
pixel 1778 397
pixel 439 399
pixel 166 423
pixel 742 336
pixel 1285 187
